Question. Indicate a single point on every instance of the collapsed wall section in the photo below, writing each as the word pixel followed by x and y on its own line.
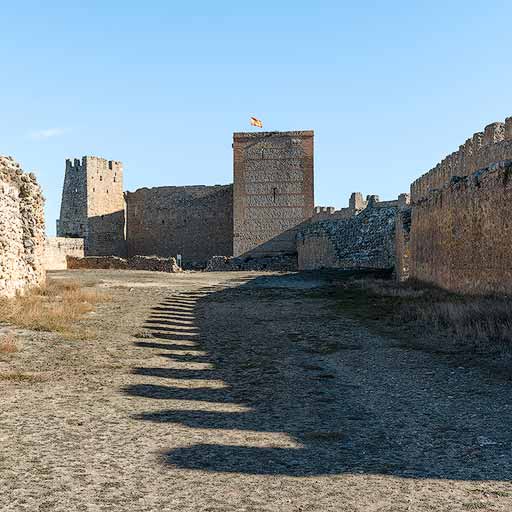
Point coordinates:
pixel 194 221
pixel 364 241
pixel 273 190
pixel 21 229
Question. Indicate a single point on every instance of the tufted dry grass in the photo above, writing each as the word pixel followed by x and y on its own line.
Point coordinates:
pixel 55 307
pixel 8 344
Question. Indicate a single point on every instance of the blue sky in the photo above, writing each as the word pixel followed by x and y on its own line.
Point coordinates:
pixel 389 87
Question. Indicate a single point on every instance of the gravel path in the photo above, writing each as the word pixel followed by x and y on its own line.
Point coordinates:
pixel 240 392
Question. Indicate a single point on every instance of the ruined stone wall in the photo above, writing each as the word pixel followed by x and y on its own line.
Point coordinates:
pixel 57 248
pixel 93 205
pixel 461 234
pixel 273 190
pixel 21 229
pixel 364 241
pixel 152 263
pixel 194 221
pixel 492 145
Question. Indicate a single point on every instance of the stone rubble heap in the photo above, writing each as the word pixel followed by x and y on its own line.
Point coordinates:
pixel 22 237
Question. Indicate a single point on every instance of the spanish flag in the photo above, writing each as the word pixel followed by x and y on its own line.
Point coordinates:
pixel 256 122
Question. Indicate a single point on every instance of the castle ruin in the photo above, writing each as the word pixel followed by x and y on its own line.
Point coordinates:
pixel 257 215
pixel 21 229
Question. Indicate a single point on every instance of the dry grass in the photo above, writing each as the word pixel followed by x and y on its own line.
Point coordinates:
pixel 414 309
pixel 17 376
pixel 8 344
pixel 55 307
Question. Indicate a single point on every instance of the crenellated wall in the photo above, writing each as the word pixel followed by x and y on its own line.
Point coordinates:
pixel 458 233
pixel 492 145
pixel 21 229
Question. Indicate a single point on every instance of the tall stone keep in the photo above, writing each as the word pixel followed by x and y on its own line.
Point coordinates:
pixel 273 190
pixel 93 205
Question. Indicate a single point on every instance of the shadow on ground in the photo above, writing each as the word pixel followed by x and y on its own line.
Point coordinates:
pixel 373 408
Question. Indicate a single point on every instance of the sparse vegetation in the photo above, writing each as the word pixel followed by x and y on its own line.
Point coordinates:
pixel 17 376
pixel 55 307
pixel 412 309
pixel 8 344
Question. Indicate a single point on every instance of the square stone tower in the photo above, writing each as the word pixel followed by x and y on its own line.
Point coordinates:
pixel 273 190
pixel 93 205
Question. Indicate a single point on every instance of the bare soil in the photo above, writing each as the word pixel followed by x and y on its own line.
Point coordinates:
pixel 246 392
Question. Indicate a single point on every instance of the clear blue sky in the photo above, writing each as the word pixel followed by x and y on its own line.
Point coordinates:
pixel 389 87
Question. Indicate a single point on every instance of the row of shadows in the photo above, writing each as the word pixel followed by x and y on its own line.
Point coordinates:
pixel 235 383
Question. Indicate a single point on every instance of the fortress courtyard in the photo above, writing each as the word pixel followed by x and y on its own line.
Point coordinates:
pixel 249 392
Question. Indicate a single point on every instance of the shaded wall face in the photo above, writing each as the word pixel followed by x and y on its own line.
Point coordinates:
pixel 273 190
pixel 73 209
pixel 461 236
pixel 196 222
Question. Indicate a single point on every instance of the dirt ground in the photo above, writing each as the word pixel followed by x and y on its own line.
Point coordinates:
pixel 242 392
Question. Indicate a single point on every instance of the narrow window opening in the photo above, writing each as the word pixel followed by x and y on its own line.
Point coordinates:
pixel 101 178
pixel 274 192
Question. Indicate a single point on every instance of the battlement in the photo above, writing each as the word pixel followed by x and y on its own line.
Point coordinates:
pixel 77 164
pixel 492 145
pixel 356 205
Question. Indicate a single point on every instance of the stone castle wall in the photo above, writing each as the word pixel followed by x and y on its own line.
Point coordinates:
pixel 194 221
pixel 492 145
pixel 457 233
pixel 58 248
pixel 461 234
pixel 21 229
pixel 273 190
pixel 93 205
pixel 364 241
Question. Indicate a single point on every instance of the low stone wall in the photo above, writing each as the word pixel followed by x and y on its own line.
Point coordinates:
pixel 366 240
pixel 282 263
pixel 57 248
pixel 461 233
pixel 21 229
pixel 152 263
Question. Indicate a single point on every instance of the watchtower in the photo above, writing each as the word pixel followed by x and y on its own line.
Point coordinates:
pixel 93 205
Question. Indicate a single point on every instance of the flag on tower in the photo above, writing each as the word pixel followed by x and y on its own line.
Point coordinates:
pixel 256 122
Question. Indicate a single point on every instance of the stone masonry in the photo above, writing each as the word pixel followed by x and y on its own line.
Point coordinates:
pixel 93 205
pixel 58 248
pixel 194 221
pixel 460 235
pixel 21 229
pixel 273 190
pixel 364 241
